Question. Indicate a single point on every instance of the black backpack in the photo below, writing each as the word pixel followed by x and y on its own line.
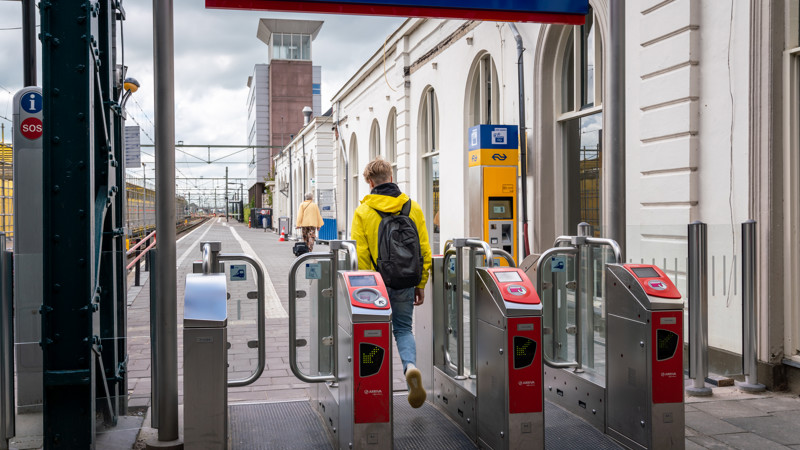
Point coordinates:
pixel 399 252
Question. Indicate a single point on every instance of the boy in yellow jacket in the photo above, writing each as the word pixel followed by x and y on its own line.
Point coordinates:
pixel 386 197
pixel 309 220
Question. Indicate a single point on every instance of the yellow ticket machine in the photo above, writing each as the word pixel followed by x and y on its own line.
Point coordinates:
pixel 493 160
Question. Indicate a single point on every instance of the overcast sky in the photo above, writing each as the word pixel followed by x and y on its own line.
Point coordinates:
pixel 215 51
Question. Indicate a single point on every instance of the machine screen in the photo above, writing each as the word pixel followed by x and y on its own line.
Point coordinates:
pixel 370 359
pixel 501 208
pixel 362 280
pixel 645 272
pixel 507 277
pixel 667 344
pixel 524 351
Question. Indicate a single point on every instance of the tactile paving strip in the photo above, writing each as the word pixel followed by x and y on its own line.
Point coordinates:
pixel 294 425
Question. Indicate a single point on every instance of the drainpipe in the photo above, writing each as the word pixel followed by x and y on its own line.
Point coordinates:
pixel 346 171
pixel 523 141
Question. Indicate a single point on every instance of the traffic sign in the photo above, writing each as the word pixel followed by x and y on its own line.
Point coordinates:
pixel 31 128
pixel 263 212
pixel 31 102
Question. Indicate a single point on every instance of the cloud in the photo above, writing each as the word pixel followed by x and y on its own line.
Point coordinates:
pixel 215 51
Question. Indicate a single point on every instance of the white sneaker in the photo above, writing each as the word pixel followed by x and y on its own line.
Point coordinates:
pixel 416 392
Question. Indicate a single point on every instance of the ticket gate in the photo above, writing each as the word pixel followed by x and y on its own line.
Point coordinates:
pixel 613 341
pixel 351 347
pixel 485 361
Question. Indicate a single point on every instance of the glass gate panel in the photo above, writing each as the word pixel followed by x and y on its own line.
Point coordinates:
pixel 558 295
pixel 453 325
pixel 314 317
pixel 242 319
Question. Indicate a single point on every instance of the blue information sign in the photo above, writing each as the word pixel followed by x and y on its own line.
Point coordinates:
pixel 31 102
pixel 493 136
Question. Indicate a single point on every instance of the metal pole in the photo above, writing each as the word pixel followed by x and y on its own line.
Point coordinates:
pixel 583 299
pixel 523 140
pixel 29 42
pixel 749 331
pixel 614 159
pixel 226 195
pixel 166 290
pixel 698 309
pixel 460 313
pixel 6 348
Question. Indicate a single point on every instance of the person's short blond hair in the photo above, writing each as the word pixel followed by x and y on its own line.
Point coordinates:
pixel 378 171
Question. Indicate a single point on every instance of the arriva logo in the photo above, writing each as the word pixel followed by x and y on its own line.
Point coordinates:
pixel 527 383
pixel 669 374
pixel 499 156
pixel 373 391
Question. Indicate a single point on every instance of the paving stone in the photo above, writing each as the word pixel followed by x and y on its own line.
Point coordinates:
pixel 780 427
pixel 773 404
pixel 691 445
pixel 749 441
pixel 708 442
pixel 730 408
pixel 707 424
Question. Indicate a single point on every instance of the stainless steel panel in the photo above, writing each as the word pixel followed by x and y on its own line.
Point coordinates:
pixel 492 385
pixel 577 394
pixel 628 378
pixel 526 431
pixel 205 380
pixel 328 408
pixel 457 399
pixel 372 436
pixel 669 430
pixel 28 268
pixel 205 301
pixel 475 201
pixel 424 329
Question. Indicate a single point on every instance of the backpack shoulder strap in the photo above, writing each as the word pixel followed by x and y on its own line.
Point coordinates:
pixel 406 208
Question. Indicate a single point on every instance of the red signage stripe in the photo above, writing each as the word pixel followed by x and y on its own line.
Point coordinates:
pixel 401 11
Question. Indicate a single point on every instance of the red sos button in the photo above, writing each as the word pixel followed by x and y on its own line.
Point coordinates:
pixel 31 128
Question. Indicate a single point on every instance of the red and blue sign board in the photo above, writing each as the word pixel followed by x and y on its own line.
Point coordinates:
pixel 569 12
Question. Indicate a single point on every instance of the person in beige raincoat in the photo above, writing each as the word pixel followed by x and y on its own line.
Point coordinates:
pixel 309 220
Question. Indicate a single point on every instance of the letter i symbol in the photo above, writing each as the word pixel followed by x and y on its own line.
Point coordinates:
pixel 33 102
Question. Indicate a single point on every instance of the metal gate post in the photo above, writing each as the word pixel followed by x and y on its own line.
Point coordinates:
pixel 77 192
pixel 698 309
pixel 749 329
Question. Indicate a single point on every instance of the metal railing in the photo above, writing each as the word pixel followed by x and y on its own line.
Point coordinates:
pixel 140 254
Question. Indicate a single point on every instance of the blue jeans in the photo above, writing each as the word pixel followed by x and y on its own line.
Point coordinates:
pixel 402 301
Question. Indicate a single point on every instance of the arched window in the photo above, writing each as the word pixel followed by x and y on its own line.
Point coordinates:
pixel 374 140
pixel 484 92
pixel 391 142
pixel 428 141
pixel 355 172
pixel 581 124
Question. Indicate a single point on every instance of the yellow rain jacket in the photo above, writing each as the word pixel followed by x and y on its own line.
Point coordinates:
pixel 365 228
